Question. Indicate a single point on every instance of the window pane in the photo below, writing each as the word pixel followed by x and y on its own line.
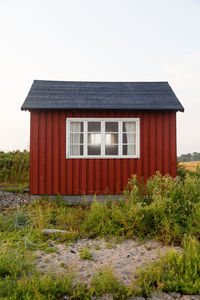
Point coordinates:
pixel 129 126
pixel 76 138
pixel 94 126
pixel 111 138
pixel 111 150
pixel 76 126
pixel 129 149
pixel 94 150
pixel 76 150
pixel 129 138
pixel 111 126
pixel 94 138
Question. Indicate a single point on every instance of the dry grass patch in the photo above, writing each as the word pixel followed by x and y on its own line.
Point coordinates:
pixel 191 165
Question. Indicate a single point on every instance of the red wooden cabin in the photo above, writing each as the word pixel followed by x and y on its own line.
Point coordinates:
pixel 91 137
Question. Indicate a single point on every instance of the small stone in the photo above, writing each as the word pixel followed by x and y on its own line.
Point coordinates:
pixel 161 296
pixel 72 251
pixel 42 266
pixel 186 297
pixel 175 295
pixel 50 231
pixel 136 298
pixel 104 297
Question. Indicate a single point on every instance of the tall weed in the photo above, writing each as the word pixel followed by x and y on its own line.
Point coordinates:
pixel 14 168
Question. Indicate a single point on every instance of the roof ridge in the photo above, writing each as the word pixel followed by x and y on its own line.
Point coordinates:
pixel 99 81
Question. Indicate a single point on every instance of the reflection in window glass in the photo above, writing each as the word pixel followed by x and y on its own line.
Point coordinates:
pixel 129 126
pixel 111 150
pixel 129 149
pixel 94 150
pixel 111 126
pixel 76 126
pixel 129 138
pixel 111 138
pixel 94 126
pixel 103 137
pixel 76 138
pixel 76 150
pixel 94 138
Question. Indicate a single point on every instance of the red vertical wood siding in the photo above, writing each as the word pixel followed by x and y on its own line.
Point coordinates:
pixel 52 173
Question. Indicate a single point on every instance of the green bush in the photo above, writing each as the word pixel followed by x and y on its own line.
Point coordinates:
pixel 105 282
pixel 175 272
pixel 13 265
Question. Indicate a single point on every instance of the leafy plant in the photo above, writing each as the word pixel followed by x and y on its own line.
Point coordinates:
pixel 105 282
pixel 175 272
pixel 85 254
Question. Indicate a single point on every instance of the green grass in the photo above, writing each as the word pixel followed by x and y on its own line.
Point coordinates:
pixel 164 209
pixel 105 282
pixel 15 190
pixel 174 272
pixel 20 280
pixel 85 254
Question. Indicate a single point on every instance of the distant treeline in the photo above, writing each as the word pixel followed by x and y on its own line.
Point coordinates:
pixel 195 156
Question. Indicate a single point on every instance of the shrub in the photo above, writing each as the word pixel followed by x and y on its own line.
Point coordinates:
pixel 105 282
pixel 181 171
pixel 165 208
pixel 85 254
pixel 174 272
pixel 13 265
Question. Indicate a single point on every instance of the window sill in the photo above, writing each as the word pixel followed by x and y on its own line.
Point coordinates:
pixel 102 157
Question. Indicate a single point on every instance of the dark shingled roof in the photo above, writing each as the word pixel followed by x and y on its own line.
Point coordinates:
pixel 101 95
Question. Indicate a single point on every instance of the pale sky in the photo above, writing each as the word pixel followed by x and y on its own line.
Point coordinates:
pixel 99 40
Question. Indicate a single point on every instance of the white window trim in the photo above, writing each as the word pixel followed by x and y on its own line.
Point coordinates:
pixel 85 120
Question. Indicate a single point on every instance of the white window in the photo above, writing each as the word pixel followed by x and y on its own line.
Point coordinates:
pixel 103 138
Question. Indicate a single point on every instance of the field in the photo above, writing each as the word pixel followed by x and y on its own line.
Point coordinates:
pixel 164 210
pixel 191 165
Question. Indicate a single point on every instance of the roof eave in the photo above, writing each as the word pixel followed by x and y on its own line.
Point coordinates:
pixel 23 108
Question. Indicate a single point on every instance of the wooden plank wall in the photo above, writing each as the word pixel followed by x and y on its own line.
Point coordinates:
pixel 52 173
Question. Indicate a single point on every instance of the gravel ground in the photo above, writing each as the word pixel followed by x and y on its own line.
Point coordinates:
pixel 124 258
pixel 156 296
pixel 13 200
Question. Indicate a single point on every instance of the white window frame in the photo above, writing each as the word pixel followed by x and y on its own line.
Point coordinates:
pixel 103 120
